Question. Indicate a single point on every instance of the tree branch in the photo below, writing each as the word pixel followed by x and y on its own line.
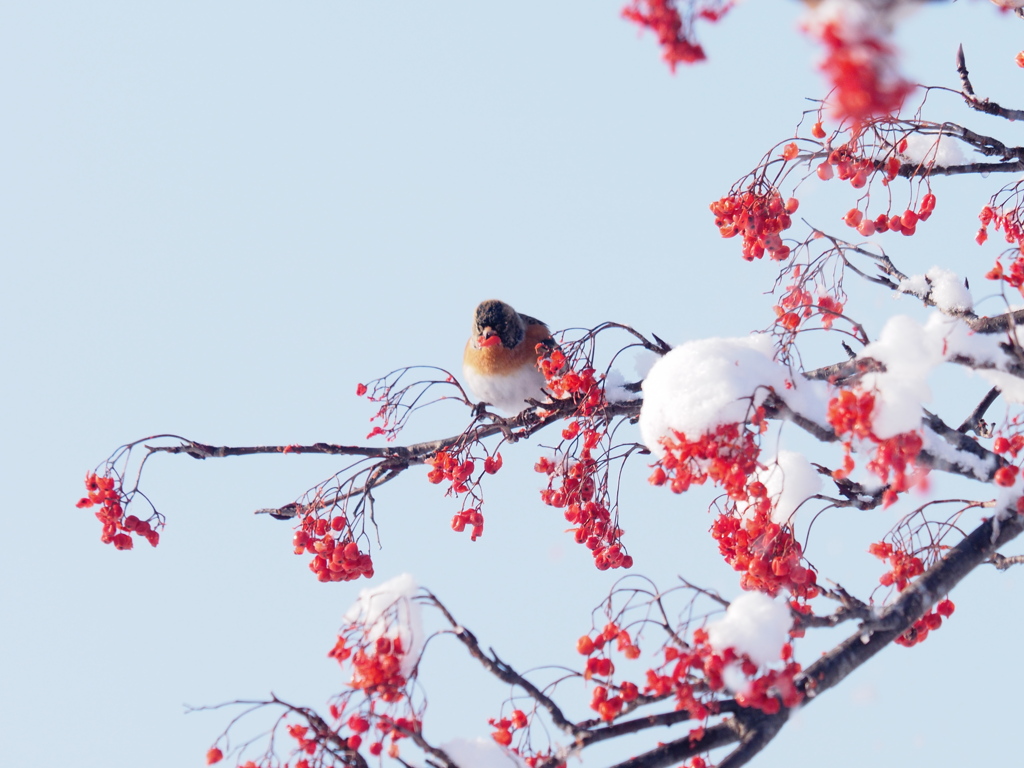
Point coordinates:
pixel 506 674
pixel 981 105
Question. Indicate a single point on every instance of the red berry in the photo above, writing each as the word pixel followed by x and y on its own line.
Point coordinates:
pixel 1006 476
pixel 866 228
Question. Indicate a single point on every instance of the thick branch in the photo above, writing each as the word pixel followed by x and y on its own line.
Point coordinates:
pixel 670 753
pixel 1014 166
pixel 976 548
pixel 638 724
pixel 755 730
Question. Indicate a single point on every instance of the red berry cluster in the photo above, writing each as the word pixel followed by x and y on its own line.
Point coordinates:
pixel 610 707
pixel 459 473
pixel 376 664
pixel 847 164
pixel 766 553
pixel 609 698
pixel 931 621
pixel 447 466
pixel 864 75
pixel 1007 476
pixel 663 18
pixel 106 493
pixel 905 223
pixel 1013 232
pixel 319 745
pixel 393 729
pixel 388 727
pixel 1014 276
pixel 504 727
pixel 1012 445
pixel 336 556
pixel 895 455
pixel 585 509
pixel 904 566
pixel 583 386
pixel 727 456
pixel 768 692
pixel 798 304
pixel 760 217
pixel 305 743
pixel 851 413
pixel 471 518
pixel 1010 223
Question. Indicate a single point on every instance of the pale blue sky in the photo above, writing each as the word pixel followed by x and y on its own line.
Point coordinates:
pixel 217 218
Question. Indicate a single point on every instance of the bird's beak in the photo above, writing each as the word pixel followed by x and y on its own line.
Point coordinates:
pixel 488 338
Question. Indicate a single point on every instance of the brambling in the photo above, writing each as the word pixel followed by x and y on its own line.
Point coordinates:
pixel 500 361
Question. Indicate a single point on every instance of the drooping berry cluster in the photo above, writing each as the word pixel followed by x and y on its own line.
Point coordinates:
pixel 1013 444
pixel 379 689
pixel 1012 226
pixel 931 621
pixel 376 665
pixel 903 566
pixel 760 216
pixel 578 482
pixel 106 493
pixel 1012 275
pixel 608 698
pixel 386 727
pixel 765 552
pixel 336 555
pixel 768 555
pixel 451 467
pixel 577 486
pixel 768 691
pixel 863 70
pixel 583 386
pixel 675 34
pixel 1009 222
pixel 798 304
pixel 844 162
pixel 503 727
pixel 1006 476
pixel 850 413
pixel 904 223
pixel 727 456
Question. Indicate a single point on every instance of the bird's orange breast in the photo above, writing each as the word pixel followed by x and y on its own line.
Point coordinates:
pixel 498 360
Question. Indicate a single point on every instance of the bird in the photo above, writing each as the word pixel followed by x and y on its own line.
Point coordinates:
pixel 500 363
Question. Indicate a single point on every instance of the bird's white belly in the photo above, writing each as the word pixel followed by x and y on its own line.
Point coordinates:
pixel 507 393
